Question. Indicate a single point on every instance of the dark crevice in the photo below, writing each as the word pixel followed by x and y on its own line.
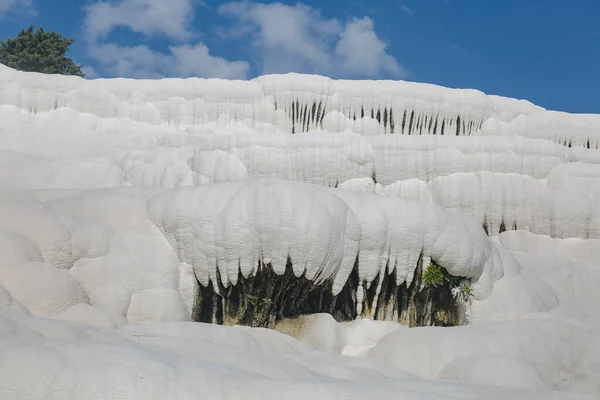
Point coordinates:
pixel 485 225
pixel 410 124
pixel 385 117
pixel 263 299
pixel 412 305
pixel 293 118
pixel 322 116
pixel 318 116
pixel 305 119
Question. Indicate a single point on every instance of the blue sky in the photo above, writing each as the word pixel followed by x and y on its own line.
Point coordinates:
pixel 545 51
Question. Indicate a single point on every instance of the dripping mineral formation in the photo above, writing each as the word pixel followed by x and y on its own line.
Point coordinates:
pixel 268 249
pixel 137 216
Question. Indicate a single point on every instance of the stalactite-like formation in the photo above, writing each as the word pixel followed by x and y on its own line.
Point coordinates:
pixel 265 298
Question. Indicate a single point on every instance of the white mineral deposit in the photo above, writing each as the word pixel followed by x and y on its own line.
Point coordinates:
pixel 129 209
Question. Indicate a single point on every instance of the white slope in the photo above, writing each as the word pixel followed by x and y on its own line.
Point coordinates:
pixel 119 197
pixel 288 101
pixel 567 129
pixel 49 359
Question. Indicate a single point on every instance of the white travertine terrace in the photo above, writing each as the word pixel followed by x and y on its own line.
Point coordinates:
pixel 287 101
pixel 571 130
pixel 229 227
pixel 118 198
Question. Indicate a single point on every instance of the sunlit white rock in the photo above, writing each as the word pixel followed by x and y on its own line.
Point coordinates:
pixel 118 198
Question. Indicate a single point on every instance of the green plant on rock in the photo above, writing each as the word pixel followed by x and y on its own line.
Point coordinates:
pixel 256 301
pixel 463 292
pixel 434 275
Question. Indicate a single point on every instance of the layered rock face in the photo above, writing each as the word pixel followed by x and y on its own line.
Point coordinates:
pixel 360 217
pixel 266 298
pixel 271 249
pixel 290 195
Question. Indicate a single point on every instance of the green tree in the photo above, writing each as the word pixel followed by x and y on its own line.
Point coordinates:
pixel 39 51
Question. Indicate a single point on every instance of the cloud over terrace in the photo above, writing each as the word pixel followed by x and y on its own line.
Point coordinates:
pixel 16 6
pixel 284 39
pixel 171 19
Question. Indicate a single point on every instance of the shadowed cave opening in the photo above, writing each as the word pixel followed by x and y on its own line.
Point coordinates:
pixel 417 304
pixel 263 299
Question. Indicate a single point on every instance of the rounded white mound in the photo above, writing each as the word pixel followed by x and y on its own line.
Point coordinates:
pixel 118 198
pixel 494 370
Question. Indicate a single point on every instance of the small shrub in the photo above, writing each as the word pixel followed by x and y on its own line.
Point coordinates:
pixel 464 293
pixel 434 275
pixel 255 300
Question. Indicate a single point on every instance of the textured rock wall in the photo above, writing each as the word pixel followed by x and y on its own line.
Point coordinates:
pixel 263 299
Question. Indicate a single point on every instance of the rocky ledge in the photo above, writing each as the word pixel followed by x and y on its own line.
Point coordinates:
pixel 265 298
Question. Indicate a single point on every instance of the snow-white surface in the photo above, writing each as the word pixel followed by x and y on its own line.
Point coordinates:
pixel 566 129
pixel 119 197
pixel 301 101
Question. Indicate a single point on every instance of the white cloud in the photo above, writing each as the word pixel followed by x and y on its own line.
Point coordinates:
pixel 182 61
pixel 286 39
pixel 361 52
pixel 409 11
pixel 16 6
pixel 298 38
pixel 196 61
pixel 289 37
pixel 171 18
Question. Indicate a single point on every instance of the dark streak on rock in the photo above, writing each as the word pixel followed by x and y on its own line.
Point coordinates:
pixel 265 298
